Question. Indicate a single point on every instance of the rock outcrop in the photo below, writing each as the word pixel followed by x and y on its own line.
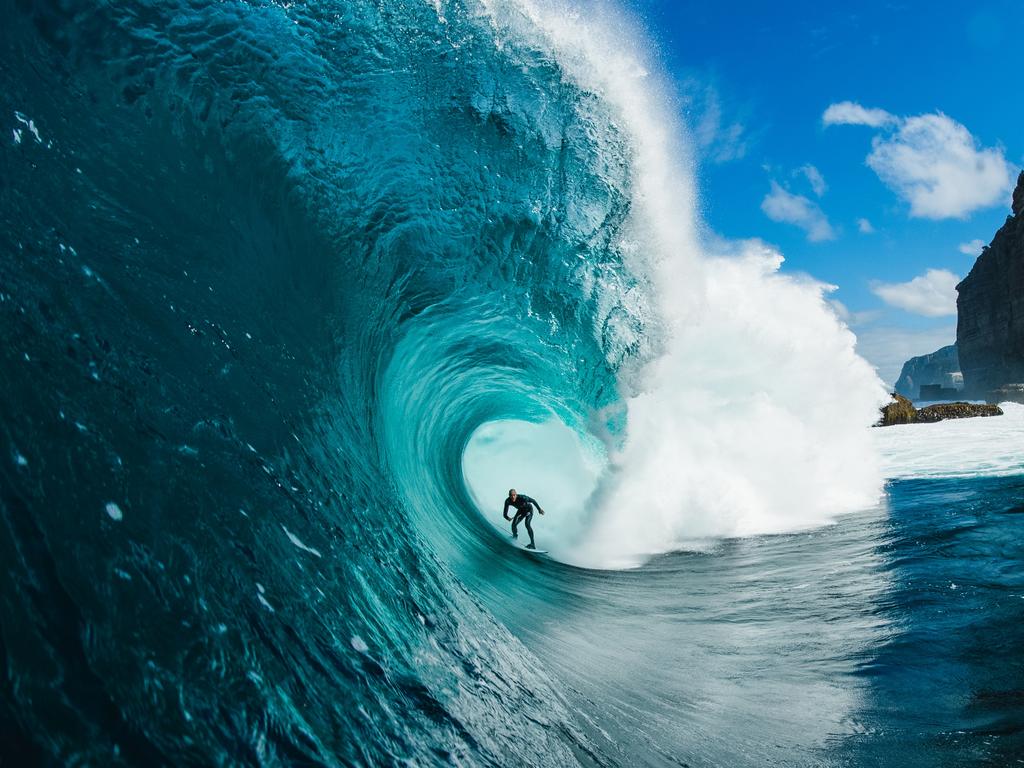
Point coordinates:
pixel 990 312
pixel 899 411
pixel 943 411
pixel 940 367
pixel 902 411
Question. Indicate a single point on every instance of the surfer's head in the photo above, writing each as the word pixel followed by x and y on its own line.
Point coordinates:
pixel 512 493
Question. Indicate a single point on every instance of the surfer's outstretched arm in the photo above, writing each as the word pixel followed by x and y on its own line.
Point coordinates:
pixel 504 512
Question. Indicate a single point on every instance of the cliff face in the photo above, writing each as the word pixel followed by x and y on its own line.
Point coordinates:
pixel 940 367
pixel 990 310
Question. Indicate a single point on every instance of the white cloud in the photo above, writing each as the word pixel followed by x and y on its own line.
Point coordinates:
pixel 930 161
pixel 932 294
pixel 780 205
pixel 851 113
pixel 865 226
pixel 888 348
pixel 934 163
pixel 720 142
pixel 972 248
pixel 814 176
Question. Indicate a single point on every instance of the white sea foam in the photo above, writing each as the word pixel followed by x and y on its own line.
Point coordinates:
pixel 30 125
pixel 298 543
pixel 992 445
pixel 755 416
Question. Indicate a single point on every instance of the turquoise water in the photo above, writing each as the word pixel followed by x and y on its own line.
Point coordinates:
pixel 287 290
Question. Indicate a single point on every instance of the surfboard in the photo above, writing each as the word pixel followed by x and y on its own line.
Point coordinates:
pixel 534 551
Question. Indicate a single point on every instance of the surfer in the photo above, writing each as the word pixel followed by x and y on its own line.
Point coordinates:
pixel 524 513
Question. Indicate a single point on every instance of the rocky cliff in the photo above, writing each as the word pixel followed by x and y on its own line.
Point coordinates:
pixel 940 367
pixel 990 311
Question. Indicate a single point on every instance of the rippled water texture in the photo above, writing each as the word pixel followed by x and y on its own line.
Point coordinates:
pixel 282 289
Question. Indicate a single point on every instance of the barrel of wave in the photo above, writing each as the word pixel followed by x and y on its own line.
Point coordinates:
pixel 555 464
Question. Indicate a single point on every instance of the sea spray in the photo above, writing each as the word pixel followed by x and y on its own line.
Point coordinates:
pixel 755 420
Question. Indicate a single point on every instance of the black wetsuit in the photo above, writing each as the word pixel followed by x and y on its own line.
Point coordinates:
pixel 524 513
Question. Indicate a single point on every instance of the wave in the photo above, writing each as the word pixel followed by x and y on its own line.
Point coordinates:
pixel 288 286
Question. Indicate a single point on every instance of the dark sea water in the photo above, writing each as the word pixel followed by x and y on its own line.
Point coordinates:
pixel 265 268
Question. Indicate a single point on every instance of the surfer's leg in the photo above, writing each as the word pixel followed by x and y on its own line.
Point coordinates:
pixel 529 528
pixel 515 522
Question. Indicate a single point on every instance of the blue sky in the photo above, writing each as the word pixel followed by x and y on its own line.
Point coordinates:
pixel 923 137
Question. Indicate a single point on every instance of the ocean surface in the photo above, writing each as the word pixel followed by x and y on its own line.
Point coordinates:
pixel 291 293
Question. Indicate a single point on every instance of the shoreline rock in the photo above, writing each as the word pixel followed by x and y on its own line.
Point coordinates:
pixel 958 410
pixel 899 411
pixel 902 411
